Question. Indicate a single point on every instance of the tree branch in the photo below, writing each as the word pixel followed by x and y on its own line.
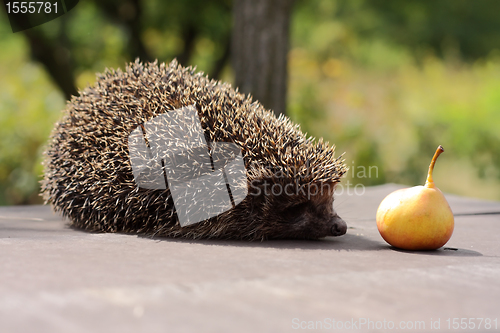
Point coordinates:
pixel 55 56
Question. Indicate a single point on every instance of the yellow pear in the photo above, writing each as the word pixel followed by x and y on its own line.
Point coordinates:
pixel 416 218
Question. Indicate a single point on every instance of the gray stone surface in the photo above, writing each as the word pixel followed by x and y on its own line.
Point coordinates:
pixel 57 279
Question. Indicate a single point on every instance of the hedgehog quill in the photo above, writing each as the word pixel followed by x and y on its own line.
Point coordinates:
pixel 89 178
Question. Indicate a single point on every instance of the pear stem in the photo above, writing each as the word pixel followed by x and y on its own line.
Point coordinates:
pixel 430 181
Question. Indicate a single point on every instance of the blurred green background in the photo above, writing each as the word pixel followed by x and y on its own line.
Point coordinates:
pixel 386 81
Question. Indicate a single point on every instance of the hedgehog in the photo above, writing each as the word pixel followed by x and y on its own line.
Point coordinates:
pixel 89 178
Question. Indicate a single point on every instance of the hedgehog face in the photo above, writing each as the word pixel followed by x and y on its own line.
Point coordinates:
pixel 313 215
pixel 290 210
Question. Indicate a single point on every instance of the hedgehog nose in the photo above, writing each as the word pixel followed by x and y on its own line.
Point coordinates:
pixel 339 226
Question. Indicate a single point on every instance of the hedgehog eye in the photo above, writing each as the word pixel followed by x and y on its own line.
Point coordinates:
pixel 292 212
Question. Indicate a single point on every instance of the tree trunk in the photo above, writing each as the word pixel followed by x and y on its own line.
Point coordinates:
pixel 259 50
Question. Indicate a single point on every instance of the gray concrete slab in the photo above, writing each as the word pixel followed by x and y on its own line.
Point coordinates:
pixel 57 279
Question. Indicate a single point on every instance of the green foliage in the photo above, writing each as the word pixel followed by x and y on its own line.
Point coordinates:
pixel 171 23
pixel 367 76
pixel 447 28
pixel 395 120
pixel 29 106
